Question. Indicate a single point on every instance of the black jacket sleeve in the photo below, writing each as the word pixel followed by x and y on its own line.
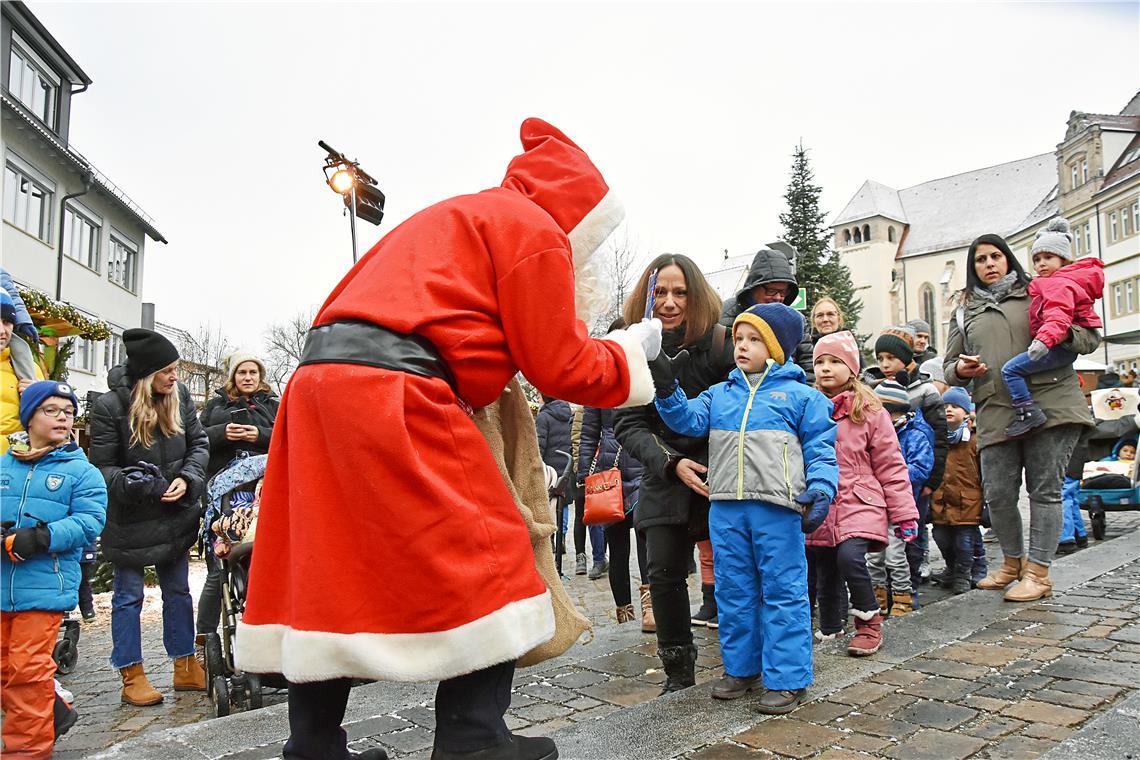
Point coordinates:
pixel 934 412
pixel 105 451
pixel 590 437
pixel 542 428
pixel 197 447
pixel 803 358
pixel 214 419
pixel 633 431
pixel 265 432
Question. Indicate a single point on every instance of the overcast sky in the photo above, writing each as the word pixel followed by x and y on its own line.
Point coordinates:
pixel 208 115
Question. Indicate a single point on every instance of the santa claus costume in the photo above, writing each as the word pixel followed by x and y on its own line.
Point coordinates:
pixel 388 545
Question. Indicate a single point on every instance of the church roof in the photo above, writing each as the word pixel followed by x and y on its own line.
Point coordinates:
pixel 873 199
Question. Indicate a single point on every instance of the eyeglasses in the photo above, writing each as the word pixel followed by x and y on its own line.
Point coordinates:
pixel 774 290
pixel 55 411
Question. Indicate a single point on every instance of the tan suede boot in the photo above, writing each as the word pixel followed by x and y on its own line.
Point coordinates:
pixel 882 598
pixel 648 622
pixel 1012 569
pixel 1034 585
pixel 901 604
pixel 188 674
pixel 136 689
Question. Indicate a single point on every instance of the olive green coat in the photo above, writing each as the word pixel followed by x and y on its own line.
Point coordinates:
pixel 999 332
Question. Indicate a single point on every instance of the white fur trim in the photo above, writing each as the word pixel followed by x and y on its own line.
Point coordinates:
pixel 306 656
pixel 641 388
pixel 865 615
pixel 589 234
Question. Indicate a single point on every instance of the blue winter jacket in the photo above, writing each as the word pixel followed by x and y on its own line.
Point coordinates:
pixel 769 442
pixel 918 453
pixel 64 490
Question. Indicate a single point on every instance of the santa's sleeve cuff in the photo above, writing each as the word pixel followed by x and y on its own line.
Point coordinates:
pixel 641 388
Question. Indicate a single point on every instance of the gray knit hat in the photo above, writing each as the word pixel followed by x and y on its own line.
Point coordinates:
pixel 1055 238
pixel 919 326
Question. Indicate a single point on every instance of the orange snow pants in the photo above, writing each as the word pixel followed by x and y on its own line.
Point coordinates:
pixel 28 693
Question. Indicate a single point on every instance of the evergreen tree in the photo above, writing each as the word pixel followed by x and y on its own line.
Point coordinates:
pixel 819 269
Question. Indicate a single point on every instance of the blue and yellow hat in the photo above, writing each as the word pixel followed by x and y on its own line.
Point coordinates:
pixel 780 326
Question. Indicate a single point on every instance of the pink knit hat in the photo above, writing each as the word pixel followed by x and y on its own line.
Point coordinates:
pixel 842 346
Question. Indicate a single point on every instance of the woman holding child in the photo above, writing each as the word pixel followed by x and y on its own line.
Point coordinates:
pixel 991 327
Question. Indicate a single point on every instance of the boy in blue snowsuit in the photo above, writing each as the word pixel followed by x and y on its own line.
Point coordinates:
pixel 772 477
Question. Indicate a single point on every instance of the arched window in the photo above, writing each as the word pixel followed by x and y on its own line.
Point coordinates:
pixel 891 234
pixel 926 305
pixel 846 237
pixel 866 233
pixel 858 236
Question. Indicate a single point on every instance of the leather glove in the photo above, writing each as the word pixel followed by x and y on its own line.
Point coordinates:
pixel 144 482
pixel 1037 350
pixel 28 332
pixel 26 543
pixel 648 332
pixel 907 530
pixel 817 504
pixel 664 371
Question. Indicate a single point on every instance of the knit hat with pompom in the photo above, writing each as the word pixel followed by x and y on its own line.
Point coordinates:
pixel 1055 238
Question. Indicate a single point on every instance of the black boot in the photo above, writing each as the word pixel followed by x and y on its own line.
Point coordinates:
pixel 707 613
pixel 515 748
pixel 1029 418
pixel 680 664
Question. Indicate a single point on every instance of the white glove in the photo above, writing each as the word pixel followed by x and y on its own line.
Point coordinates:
pixel 648 331
pixel 1037 350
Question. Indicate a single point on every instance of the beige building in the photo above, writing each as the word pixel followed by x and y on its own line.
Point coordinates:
pixel 907 248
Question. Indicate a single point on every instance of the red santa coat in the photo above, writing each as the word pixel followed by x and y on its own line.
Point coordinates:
pixel 1065 298
pixel 388 546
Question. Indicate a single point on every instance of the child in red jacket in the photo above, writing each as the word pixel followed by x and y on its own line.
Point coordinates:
pixel 1062 294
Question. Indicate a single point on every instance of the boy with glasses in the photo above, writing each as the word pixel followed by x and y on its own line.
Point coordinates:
pixel 53 502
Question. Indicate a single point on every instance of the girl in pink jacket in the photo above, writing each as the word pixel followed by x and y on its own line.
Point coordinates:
pixel 874 492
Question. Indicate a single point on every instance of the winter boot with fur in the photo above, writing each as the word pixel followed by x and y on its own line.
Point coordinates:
pixel 680 665
pixel 868 634
pixel 1034 585
pixel 901 604
pixel 136 689
pixel 1012 568
pixel 648 622
pixel 882 598
pixel 1029 418
pixel 188 674
pixel 706 615
pixel 625 614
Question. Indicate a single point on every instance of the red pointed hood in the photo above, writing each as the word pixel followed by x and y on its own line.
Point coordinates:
pixel 559 177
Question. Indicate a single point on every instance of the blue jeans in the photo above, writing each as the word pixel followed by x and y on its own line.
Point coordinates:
pixel 979 569
pixel 1072 523
pixel 956 542
pixel 1021 366
pixel 177 612
pixel 916 549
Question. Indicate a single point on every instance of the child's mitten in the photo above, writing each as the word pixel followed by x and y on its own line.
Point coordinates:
pixel 907 530
pixel 817 504
pixel 1037 350
pixel 25 543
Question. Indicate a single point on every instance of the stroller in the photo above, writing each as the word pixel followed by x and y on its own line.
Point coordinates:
pixel 228 531
pixel 557 489
pixel 1118 492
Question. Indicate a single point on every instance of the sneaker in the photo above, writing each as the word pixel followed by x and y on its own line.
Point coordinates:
pixel 1066 547
pixel 599 569
pixel 713 622
pixel 988 536
pixel 1082 542
pixel 779 702
pixel 88 615
pixel 580 564
pixel 707 611
pixel 1029 418
pixel 732 687
pixel 821 636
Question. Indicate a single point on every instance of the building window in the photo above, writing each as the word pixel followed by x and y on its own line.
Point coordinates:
pixel 1129 297
pixel 1084 171
pixel 1073 176
pixel 1077 241
pixel 847 237
pixel 891 234
pixel 114 352
pixel 1112 227
pixel 1088 237
pixel 83 355
pixel 123 264
pixel 81 238
pixel 1136 216
pixel 1125 222
pixel 27 202
pixel 858 236
pixel 866 233
pixel 926 307
pixel 33 83
pixel 1118 298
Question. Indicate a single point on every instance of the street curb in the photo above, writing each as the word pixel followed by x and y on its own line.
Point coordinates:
pixel 1114 735
pixel 662 727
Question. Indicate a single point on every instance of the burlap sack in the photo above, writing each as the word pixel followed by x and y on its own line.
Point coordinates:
pixel 508 427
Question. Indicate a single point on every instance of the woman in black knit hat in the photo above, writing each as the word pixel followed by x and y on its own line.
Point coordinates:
pixel 147 441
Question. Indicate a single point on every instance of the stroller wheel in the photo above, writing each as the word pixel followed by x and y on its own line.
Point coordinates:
pixel 253 685
pixel 215 661
pixel 1098 524
pixel 220 696
pixel 65 654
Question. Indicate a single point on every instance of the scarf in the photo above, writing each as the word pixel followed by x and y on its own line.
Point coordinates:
pixel 996 292
pixel 841 405
pixel 960 435
pixel 31 454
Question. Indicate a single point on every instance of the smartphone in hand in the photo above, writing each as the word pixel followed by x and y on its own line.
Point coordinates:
pixel 241 417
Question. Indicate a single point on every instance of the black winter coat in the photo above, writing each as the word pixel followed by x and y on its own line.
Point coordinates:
pixel 771 266
pixel 598 436
pixel 553 427
pixel 262 408
pixel 140 534
pixel 663 498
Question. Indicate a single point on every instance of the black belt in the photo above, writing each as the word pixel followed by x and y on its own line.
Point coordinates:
pixel 374 346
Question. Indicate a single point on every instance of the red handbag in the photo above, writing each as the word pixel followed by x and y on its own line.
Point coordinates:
pixel 604 502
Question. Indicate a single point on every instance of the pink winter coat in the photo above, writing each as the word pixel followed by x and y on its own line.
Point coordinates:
pixel 874 488
pixel 1065 298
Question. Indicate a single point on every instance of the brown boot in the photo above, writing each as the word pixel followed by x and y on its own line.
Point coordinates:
pixel 625 613
pixel 1034 585
pixel 648 622
pixel 136 689
pixel 881 598
pixel 1012 569
pixel 901 604
pixel 188 674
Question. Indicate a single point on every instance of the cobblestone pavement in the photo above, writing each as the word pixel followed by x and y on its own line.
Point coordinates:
pixel 599 679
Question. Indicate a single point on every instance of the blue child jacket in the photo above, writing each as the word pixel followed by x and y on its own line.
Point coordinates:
pixel 918 453
pixel 68 493
pixel 769 442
